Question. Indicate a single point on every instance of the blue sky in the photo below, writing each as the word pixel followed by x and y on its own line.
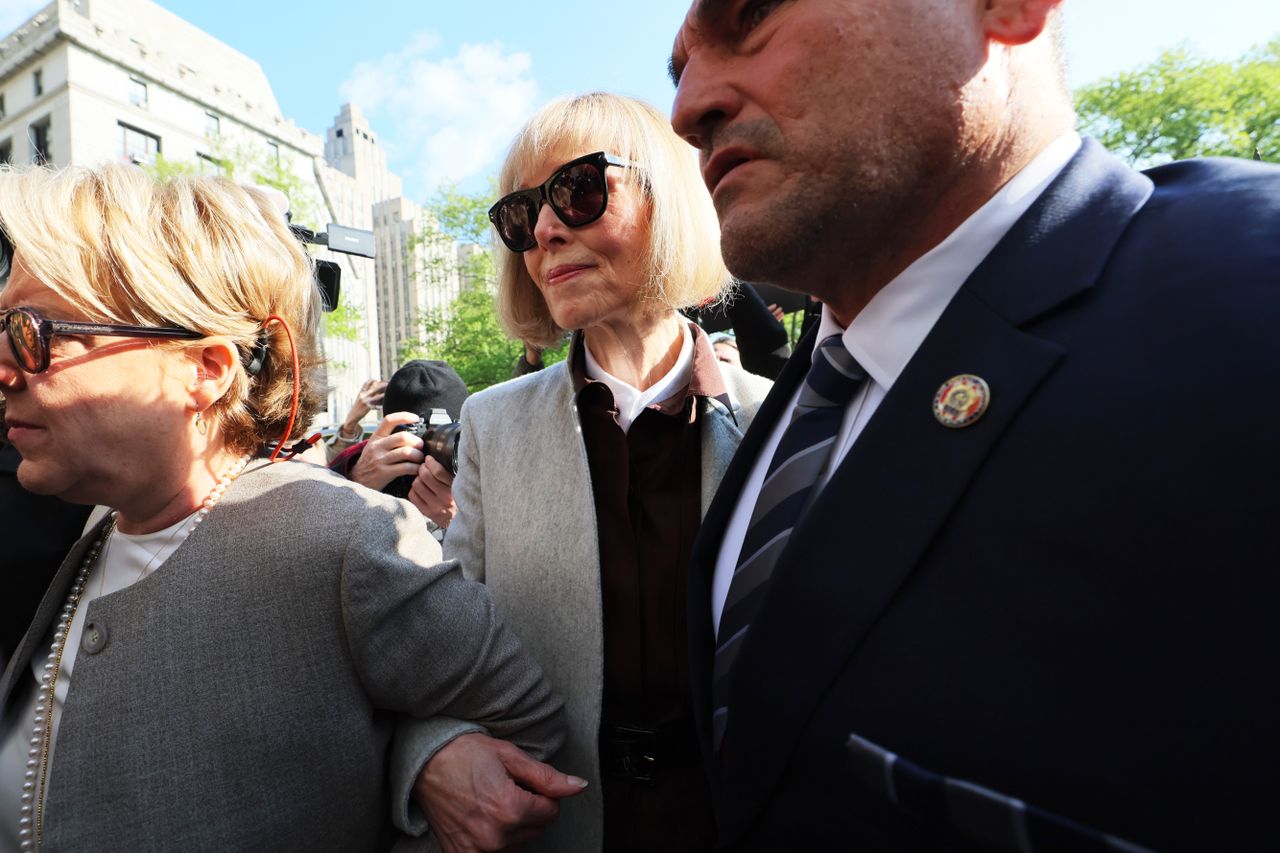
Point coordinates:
pixel 445 84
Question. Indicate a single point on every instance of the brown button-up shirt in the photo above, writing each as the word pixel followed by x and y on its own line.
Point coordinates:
pixel 646 483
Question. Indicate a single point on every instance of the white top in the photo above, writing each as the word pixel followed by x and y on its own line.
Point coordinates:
pixel 125 560
pixel 888 331
pixel 631 401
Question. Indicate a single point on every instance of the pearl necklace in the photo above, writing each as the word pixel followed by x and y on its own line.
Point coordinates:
pixel 31 820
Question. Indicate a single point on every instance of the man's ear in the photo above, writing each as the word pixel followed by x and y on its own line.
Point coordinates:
pixel 1014 22
pixel 216 361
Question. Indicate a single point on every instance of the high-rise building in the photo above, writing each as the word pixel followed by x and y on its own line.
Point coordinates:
pixel 423 280
pixel 91 81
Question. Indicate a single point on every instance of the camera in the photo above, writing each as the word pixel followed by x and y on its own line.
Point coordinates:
pixel 439 441
pixel 337 238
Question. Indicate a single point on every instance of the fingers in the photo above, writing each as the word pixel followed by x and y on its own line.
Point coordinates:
pixel 474 803
pixel 395 449
pixel 538 777
pixel 386 457
pixel 376 476
pixel 372 393
pixel 437 472
pixel 390 421
pixel 433 498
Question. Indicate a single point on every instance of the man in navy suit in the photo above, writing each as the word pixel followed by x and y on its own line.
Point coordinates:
pixel 1030 600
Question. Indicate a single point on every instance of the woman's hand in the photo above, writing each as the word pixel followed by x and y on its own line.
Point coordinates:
pixel 481 793
pixel 432 493
pixel 388 455
pixel 369 398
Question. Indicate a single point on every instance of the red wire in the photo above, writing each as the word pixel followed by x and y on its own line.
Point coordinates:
pixel 293 406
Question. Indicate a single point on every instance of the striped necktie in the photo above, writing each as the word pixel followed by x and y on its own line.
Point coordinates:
pixel 788 488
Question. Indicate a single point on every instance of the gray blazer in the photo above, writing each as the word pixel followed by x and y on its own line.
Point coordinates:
pixel 247 691
pixel 526 526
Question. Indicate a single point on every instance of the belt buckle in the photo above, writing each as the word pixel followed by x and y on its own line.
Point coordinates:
pixel 637 747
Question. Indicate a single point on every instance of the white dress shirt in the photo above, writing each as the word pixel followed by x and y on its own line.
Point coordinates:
pixel 631 401
pixel 888 331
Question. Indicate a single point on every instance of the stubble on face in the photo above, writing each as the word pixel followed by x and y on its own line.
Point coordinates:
pixel 860 129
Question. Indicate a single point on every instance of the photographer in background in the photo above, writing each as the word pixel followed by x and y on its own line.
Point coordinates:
pixel 414 391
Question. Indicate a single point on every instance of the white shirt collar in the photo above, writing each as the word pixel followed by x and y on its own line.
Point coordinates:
pixel 888 331
pixel 631 401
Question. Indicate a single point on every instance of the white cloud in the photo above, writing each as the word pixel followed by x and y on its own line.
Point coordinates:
pixel 15 12
pixel 444 117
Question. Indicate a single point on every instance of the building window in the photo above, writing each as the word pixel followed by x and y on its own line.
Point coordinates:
pixel 212 126
pixel 273 153
pixel 138 92
pixel 37 82
pixel 6 151
pixel 40 141
pixel 138 146
pixel 1 104
pixel 211 165
pixel 338 133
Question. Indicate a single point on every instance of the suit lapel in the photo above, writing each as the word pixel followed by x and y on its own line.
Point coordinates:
pixel 882 508
pixel 47 612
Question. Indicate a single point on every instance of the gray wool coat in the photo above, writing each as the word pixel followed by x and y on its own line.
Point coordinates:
pixel 247 692
pixel 526 526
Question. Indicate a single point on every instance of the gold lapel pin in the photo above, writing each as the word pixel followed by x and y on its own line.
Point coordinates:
pixel 961 401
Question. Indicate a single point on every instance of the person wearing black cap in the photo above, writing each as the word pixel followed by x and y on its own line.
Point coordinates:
pixel 418 389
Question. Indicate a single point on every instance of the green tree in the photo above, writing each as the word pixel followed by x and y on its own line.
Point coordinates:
pixel 454 243
pixel 467 336
pixel 467 333
pixel 1185 105
pixel 461 215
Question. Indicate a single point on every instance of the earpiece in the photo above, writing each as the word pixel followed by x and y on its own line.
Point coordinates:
pixel 258 357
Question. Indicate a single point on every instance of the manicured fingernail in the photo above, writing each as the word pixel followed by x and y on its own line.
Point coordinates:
pixel 574 780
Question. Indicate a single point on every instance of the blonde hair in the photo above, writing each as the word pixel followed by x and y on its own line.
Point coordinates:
pixel 200 253
pixel 685 267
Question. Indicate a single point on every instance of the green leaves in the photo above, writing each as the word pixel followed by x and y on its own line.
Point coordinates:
pixel 466 333
pixel 1184 105
pixel 464 216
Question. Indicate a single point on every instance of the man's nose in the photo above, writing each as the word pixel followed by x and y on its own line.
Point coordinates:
pixel 704 100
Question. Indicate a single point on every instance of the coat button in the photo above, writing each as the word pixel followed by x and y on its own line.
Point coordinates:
pixel 94 637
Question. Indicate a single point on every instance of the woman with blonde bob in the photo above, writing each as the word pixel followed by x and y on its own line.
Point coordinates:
pixel 580 488
pixel 220 661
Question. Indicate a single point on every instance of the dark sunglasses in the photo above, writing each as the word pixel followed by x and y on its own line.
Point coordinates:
pixel 577 192
pixel 30 333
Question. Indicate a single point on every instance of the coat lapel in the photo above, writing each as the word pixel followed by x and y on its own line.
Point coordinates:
pixel 720 437
pixel 906 472
pixel 47 612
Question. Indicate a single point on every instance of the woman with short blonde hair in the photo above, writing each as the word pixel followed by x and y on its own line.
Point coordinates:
pixel 684 267
pixel 181 264
pixel 580 487
pixel 220 661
